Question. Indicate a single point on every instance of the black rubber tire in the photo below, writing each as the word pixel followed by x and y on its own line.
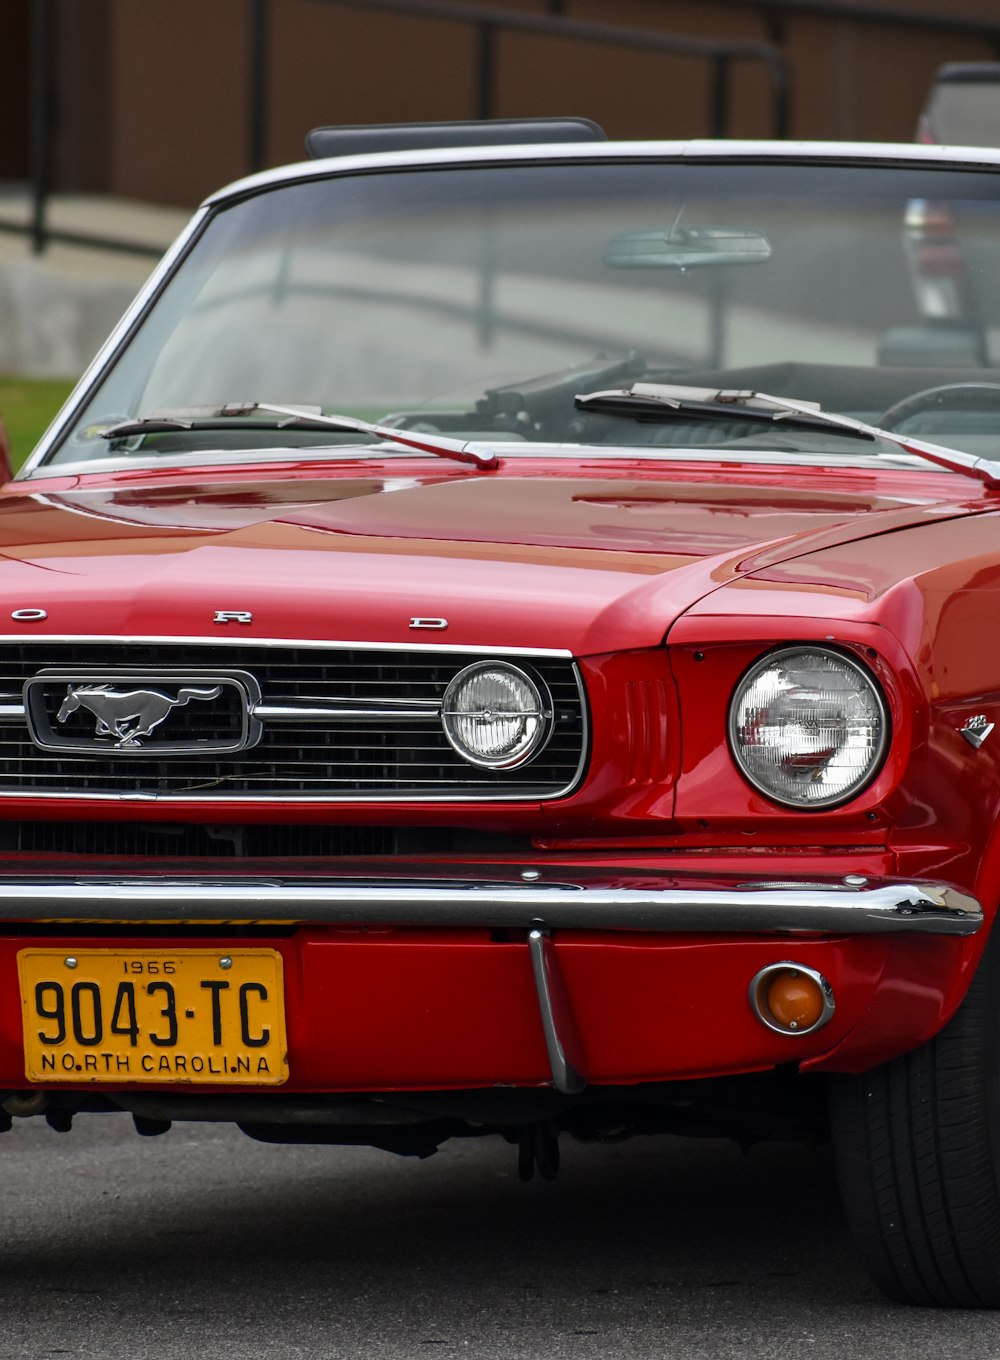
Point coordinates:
pixel 917 1144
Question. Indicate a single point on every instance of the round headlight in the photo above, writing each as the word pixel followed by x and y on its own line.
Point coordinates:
pixel 808 727
pixel 494 715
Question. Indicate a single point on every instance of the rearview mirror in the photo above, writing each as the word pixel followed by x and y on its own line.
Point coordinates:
pixel 687 248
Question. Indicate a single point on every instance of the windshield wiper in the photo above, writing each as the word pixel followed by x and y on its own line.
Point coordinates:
pixel 665 401
pixel 479 456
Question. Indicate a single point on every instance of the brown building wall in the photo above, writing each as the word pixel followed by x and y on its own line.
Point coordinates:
pixel 178 85
pixel 14 90
pixel 152 100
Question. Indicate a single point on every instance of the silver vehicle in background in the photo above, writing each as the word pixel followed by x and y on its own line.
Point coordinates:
pixel 949 278
pixel 963 108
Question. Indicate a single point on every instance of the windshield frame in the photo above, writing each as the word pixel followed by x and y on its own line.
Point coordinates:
pixel 38 464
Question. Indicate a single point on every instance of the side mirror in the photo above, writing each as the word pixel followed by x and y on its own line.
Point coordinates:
pixel 6 470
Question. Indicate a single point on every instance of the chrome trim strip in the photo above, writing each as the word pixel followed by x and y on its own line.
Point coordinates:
pixel 823 908
pixel 279 797
pixel 693 149
pixel 561 1039
pixel 249 640
pixel 288 713
pixel 575 453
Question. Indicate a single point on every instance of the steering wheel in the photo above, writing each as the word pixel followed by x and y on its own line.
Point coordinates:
pixel 975 396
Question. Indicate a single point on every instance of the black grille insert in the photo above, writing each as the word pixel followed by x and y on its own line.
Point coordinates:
pixel 308 757
pixel 179 842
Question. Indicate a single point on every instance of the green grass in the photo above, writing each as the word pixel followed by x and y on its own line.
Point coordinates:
pixel 26 407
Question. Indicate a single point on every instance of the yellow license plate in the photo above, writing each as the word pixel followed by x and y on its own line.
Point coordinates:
pixel 166 1016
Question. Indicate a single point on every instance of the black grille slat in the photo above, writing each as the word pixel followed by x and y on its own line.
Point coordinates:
pixel 186 841
pixel 172 842
pixel 327 759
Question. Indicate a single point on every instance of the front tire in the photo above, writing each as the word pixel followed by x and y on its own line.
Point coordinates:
pixel 917 1144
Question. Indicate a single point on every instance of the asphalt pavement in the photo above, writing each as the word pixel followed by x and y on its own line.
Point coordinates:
pixel 203 1243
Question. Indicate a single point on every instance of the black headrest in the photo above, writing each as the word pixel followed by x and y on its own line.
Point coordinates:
pixel 364 140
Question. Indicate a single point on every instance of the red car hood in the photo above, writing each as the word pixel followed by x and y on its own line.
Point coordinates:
pixel 590 564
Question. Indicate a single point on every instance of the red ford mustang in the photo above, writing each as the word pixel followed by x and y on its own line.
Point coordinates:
pixel 505 639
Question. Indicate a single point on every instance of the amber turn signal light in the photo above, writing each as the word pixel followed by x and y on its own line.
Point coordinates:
pixel 791 999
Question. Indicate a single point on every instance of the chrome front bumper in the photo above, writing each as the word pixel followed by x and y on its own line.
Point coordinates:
pixel 553 899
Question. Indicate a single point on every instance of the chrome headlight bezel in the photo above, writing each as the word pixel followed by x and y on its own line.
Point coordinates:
pixel 867 686
pixel 537 714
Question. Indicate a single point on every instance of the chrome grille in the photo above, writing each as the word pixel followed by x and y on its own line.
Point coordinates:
pixel 338 756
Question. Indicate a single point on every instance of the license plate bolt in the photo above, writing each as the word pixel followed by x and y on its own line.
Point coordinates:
pixel 70 962
pixel 225 962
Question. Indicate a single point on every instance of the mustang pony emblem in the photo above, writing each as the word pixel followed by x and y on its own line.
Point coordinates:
pixel 128 714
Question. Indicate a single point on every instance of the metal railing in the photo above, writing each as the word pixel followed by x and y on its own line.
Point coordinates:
pixel 774 11
pixel 488 24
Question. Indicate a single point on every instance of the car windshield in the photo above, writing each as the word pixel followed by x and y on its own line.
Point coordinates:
pixel 481 301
